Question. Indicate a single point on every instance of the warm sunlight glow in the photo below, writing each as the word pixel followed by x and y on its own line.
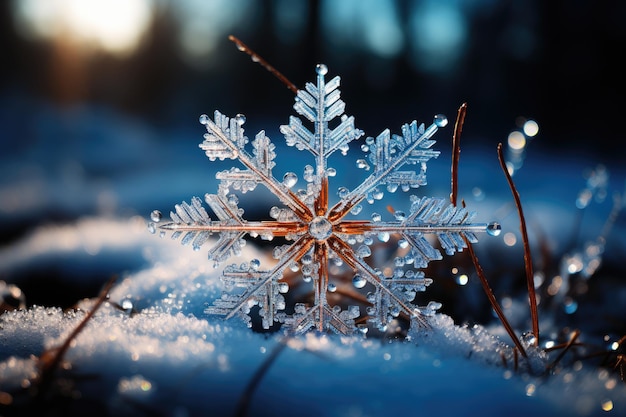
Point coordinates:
pixel 115 26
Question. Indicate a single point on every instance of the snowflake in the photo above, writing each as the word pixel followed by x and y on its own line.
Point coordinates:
pixel 318 237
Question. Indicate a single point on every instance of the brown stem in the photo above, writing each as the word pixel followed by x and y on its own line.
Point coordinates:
pixel 528 262
pixel 492 298
pixel 456 151
pixel 262 62
pixel 50 360
pixel 567 347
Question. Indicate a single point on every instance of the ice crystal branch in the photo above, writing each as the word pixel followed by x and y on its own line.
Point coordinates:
pixel 320 238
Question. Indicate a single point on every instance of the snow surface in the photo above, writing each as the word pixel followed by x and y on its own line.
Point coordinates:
pixel 170 359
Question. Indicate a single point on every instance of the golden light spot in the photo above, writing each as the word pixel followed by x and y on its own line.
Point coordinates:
pixel 607 405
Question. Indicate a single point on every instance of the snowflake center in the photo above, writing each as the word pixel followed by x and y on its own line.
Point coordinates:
pixel 320 228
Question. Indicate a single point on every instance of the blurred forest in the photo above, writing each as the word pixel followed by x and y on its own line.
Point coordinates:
pixel 165 62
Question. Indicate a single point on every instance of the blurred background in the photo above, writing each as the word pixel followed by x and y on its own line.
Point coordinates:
pixel 99 99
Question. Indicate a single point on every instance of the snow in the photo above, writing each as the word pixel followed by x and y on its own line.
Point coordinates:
pixel 171 359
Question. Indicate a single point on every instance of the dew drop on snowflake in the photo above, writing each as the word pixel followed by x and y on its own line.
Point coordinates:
pixel 494 229
pixel 306 278
pixel 255 264
pixel 365 148
pixel 356 209
pixel 290 179
pixel 342 192
pixel 358 281
pixel 332 287
pixel 306 260
pixel 441 120
pixel 403 243
pixel 156 216
pixel 240 119
pixel 151 228
pixel 363 251
pixel 320 228
pixel 283 287
pixel 204 119
pixel 362 164
pixel 392 187
pixel 321 69
pixel 294 267
pixel 395 311
pixel 383 236
pixel 309 173
pixel 400 215
pixel 331 172
pixel 376 217
pixel 377 194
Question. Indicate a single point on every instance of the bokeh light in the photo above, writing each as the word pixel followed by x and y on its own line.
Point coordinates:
pixel 115 26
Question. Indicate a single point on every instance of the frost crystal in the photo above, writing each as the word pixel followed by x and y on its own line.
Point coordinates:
pixel 318 238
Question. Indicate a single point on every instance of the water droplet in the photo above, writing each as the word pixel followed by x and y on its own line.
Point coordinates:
pixel 358 281
pixel 342 192
pixel 494 229
pixel 332 287
pixel 240 119
pixel 320 228
pixel 255 264
pixel 392 187
pixel 400 215
pixel 376 217
pixel 283 287
pixel 204 119
pixel 441 120
pixel 151 227
pixel 321 69
pixel 356 209
pixel 309 173
pixel 306 260
pixel 365 148
pixel 362 164
pixel 290 179
pixel 363 251
pixel 377 194
pixel 156 216
pixel 126 304
pixel 331 172
pixel 383 236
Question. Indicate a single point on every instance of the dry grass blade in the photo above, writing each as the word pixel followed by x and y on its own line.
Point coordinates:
pixel 456 151
pixel 568 346
pixel 262 62
pixel 528 262
pixel 244 400
pixel 51 359
pixel 492 299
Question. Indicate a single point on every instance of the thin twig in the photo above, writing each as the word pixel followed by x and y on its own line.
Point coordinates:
pixel 567 347
pixel 528 262
pixel 262 62
pixel 456 151
pixel 244 400
pixel 492 298
pixel 50 361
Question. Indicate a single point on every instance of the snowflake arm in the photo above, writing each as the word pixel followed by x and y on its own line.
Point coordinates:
pixel 388 154
pixel 225 139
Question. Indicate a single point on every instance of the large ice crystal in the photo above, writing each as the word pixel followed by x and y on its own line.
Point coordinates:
pixel 317 236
